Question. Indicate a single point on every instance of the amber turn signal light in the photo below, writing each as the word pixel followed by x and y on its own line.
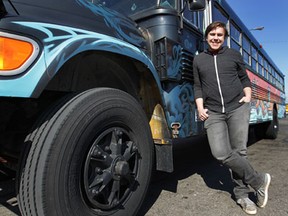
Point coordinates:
pixel 16 54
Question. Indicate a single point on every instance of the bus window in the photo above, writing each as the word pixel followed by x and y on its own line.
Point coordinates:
pixel 266 74
pixel 235 37
pixel 221 16
pixel 254 58
pixel 246 50
pixel 270 73
pixel 129 7
pixel 260 64
pixel 195 18
pixel 168 4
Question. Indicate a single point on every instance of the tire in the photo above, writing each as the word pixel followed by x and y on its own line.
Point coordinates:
pixel 272 127
pixel 93 156
pixel 268 130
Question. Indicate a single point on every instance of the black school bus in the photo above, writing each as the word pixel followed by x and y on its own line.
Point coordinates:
pixel 94 92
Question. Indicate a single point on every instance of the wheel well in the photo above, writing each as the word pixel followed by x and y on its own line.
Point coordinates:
pixel 103 69
pixel 85 71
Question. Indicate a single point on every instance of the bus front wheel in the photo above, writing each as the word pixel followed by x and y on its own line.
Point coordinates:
pixel 93 156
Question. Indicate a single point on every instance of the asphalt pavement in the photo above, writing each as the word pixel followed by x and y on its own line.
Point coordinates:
pixel 199 185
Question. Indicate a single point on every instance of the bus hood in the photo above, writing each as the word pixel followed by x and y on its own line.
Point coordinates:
pixel 81 14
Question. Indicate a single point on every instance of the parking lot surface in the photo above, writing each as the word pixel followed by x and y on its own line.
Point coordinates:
pixel 199 185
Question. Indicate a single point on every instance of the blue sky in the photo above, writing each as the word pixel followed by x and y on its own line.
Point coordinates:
pixel 273 15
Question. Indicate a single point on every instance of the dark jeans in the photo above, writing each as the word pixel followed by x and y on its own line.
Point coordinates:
pixel 228 136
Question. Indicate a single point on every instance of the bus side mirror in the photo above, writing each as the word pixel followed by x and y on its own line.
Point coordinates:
pixel 196 5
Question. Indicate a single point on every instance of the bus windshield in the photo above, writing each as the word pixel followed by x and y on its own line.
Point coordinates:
pixel 130 7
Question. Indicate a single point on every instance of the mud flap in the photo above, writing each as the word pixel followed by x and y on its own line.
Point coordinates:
pixel 164 157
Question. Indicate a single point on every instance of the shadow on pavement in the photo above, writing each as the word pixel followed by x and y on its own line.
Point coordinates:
pixel 191 156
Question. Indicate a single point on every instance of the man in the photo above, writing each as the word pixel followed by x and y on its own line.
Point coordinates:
pixel 223 93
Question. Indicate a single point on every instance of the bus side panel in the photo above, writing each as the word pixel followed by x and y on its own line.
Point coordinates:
pixel 264 96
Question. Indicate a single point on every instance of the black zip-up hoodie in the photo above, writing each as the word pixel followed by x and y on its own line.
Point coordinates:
pixel 220 79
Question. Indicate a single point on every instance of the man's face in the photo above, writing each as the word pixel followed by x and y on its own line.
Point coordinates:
pixel 216 38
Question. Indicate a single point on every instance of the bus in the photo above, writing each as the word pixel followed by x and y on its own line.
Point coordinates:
pixel 94 95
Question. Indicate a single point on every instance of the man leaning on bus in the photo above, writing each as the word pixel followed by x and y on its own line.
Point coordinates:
pixel 223 93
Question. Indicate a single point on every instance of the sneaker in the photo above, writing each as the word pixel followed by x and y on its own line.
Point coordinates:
pixel 247 205
pixel 262 192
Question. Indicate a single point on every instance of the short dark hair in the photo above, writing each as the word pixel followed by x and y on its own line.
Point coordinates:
pixel 215 25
